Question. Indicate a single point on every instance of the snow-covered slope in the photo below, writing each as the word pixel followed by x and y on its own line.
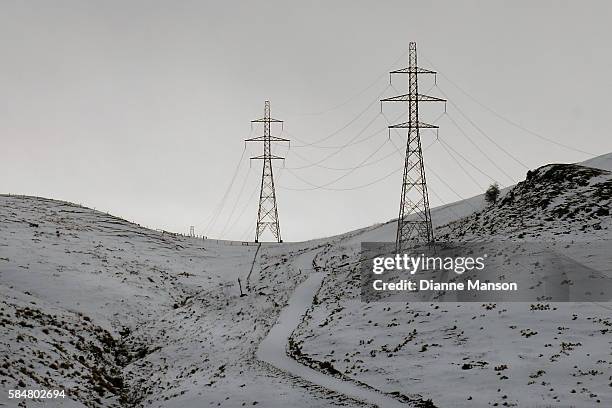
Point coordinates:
pixel 603 162
pixel 119 315
pixel 490 354
pixel 557 199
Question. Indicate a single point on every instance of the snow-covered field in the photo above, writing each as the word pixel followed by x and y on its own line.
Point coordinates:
pixel 120 315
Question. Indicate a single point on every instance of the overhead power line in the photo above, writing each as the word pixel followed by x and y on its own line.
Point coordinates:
pixel 344 145
pixel 464 133
pixel 401 154
pixel 334 153
pixel 461 166
pixel 506 119
pixel 244 208
pixel 323 186
pixel 342 128
pixel 352 98
pixel 350 143
pixel 358 187
pixel 371 163
pixel 231 214
pixel 447 145
pixel 219 206
pixel 482 132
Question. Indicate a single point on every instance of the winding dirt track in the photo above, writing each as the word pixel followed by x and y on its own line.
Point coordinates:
pixel 273 348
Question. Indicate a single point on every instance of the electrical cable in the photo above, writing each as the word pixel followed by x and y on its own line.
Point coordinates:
pixel 227 222
pixel 461 166
pixel 318 164
pixel 245 207
pixel 430 170
pixel 444 204
pixel 243 211
pixel 316 187
pixel 437 137
pixel 464 133
pixel 353 120
pixel 219 207
pixel 482 131
pixel 505 119
pixel 341 146
pixel 351 142
pixel 447 145
pixel 352 98
pixel 343 168
pixel 334 153
pixel 386 176
pixel 245 233
pixel 433 172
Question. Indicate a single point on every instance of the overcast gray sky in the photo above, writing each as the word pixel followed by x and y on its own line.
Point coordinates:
pixel 140 108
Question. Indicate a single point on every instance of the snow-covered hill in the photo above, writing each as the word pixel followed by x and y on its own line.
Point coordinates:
pixel 603 162
pixel 119 315
pixel 490 354
pixel 557 199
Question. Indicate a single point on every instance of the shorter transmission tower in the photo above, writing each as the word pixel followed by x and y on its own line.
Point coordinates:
pixel 267 215
pixel 414 221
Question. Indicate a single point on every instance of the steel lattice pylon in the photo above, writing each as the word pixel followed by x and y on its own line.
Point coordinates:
pixel 414 221
pixel 267 215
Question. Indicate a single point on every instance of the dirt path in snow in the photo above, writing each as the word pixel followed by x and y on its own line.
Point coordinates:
pixel 273 349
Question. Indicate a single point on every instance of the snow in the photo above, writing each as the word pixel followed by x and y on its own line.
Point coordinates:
pixel 600 162
pixel 272 348
pixel 162 312
pixel 482 354
pixel 120 315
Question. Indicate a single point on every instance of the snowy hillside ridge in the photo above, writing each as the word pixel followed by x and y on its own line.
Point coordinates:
pixel 119 315
pixel 74 283
pixel 603 162
pixel 51 347
pixel 556 199
pixel 111 258
pixel 493 354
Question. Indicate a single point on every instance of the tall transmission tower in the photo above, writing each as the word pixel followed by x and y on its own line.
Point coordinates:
pixel 414 221
pixel 267 215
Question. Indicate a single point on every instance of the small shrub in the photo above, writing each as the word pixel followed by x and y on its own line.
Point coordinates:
pixel 492 193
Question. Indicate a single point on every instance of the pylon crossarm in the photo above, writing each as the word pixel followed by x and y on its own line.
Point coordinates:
pixel 408 98
pixel 278 139
pixel 263 139
pixel 429 98
pixel 262 120
pixel 263 157
pixel 419 70
pixel 408 125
